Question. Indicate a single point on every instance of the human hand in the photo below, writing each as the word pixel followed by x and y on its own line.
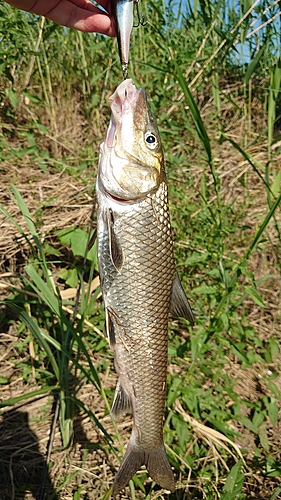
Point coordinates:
pixel 81 15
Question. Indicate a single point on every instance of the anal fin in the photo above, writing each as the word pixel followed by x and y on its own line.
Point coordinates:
pixel 179 306
pixel 121 403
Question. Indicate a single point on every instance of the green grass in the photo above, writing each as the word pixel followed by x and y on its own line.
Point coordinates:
pixel 219 119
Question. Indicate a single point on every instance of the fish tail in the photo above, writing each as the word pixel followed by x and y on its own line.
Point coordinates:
pixel 156 462
pixel 159 468
pixel 131 463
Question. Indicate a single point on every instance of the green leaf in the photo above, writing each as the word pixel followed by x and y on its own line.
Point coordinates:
pixel 78 242
pixel 274 349
pixel 25 211
pixel 72 278
pixel 196 344
pixel 276 186
pixel 195 113
pixel 249 159
pixel 258 418
pixel 255 296
pixel 77 494
pixel 44 292
pixel 248 253
pixel 138 483
pixel 264 437
pixel 50 250
pixel 274 389
pixel 65 235
pixel 33 98
pixel 15 224
pixel 234 481
pixel 254 64
pixel 4 380
pixel 32 229
pixel 41 127
pixel 204 290
pixel 60 348
pixel 28 395
pixel 197 258
pixel 63 274
pixel 248 424
pixel 13 98
pixel 273 410
pixel 36 331
pixel 94 418
pixel 276 493
pixel 225 320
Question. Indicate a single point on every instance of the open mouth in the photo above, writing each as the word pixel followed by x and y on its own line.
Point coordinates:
pixel 123 98
pixel 121 102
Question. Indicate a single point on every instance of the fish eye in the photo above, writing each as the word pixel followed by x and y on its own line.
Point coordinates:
pixel 151 140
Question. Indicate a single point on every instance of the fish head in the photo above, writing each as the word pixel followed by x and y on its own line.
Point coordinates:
pixel 131 160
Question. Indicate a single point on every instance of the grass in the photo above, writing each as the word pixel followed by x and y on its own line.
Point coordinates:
pixel 219 118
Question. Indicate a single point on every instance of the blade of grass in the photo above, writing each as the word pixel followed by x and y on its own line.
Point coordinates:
pixel 195 113
pixel 238 271
pixel 32 229
pixel 44 292
pixel 29 395
pixel 35 330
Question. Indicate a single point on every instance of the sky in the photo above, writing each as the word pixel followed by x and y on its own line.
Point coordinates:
pixel 256 28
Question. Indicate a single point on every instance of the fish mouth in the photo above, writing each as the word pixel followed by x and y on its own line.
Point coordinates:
pixel 121 101
pixel 123 98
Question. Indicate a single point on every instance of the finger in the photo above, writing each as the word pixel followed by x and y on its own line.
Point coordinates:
pixel 87 4
pixel 74 17
pixel 79 14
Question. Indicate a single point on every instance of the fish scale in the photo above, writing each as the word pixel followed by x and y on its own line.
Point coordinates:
pixel 139 282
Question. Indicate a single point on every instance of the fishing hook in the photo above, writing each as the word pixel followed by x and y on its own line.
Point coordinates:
pixel 141 21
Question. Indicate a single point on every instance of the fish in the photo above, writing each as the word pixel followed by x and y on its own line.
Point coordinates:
pixel 123 14
pixel 138 277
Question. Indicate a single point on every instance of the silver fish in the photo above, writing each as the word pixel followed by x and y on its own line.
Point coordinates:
pixel 138 277
pixel 123 14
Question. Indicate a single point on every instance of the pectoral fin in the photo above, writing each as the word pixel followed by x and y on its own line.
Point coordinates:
pixel 110 328
pixel 179 304
pixel 116 252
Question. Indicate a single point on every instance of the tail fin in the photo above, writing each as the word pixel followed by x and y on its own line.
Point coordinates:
pixel 131 463
pixel 156 462
pixel 159 469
